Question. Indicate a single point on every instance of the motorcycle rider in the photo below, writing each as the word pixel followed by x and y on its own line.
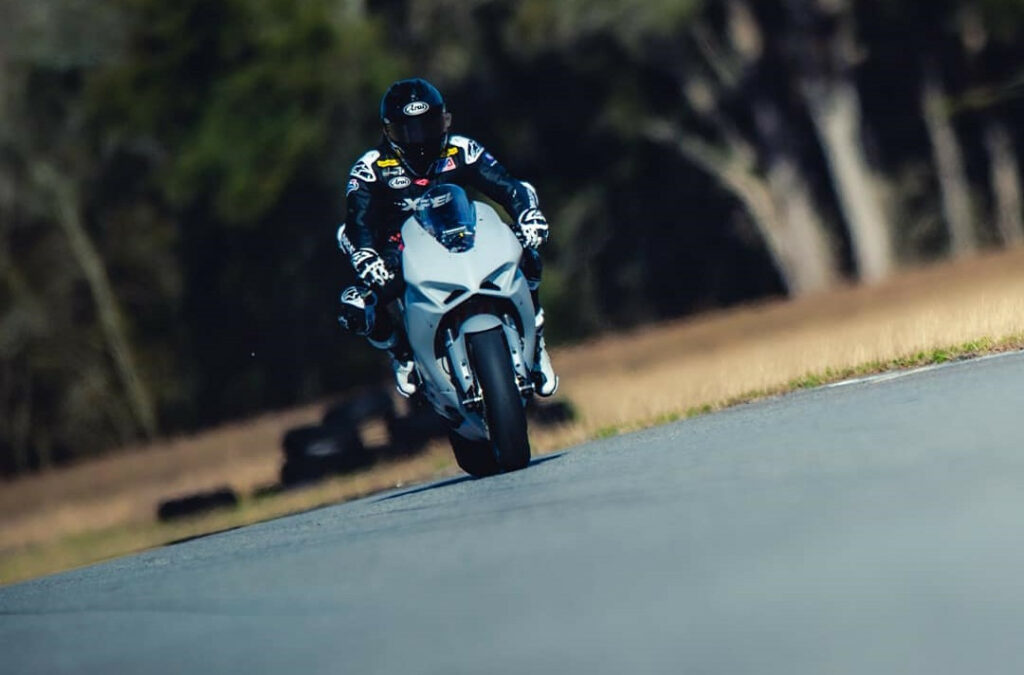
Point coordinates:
pixel 416 152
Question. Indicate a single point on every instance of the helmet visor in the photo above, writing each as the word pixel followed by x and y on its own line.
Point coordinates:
pixel 425 129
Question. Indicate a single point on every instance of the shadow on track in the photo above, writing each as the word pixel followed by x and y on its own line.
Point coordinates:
pixel 195 537
pixel 546 458
pixel 455 481
pixel 424 488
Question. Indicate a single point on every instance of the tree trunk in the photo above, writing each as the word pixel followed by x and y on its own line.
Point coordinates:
pixel 802 234
pixel 16 395
pixel 949 166
pixel 66 207
pixel 836 115
pixel 16 400
pixel 806 235
pixel 792 234
pixel 1004 176
pixel 777 198
pixel 827 51
pixel 21 425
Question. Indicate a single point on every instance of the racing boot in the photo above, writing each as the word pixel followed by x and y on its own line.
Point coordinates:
pixel 402 364
pixel 545 382
pixel 405 375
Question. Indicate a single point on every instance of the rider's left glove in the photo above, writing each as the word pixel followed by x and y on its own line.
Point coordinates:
pixel 370 267
pixel 532 228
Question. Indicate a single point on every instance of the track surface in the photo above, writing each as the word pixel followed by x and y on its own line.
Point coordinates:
pixel 870 528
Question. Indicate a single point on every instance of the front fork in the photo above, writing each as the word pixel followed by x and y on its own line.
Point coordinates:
pixel 470 394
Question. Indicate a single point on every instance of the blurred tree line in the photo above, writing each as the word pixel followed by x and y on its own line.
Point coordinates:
pixel 171 175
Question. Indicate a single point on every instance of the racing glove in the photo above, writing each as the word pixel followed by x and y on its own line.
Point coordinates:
pixel 370 267
pixel 532 228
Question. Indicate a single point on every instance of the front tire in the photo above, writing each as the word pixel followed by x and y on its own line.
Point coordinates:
pixel 503 407
pixel 474 457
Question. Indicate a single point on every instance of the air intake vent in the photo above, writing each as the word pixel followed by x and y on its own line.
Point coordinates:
pixel 490 286
pixel 454 295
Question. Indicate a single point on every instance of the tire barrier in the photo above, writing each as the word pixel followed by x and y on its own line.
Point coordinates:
pixel 410 433
pixel 312 453
pixel 549 413
pixel 367 406
pixel 196 503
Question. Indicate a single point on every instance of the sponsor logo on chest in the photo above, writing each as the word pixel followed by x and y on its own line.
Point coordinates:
pixel 412 204
pixel 399 183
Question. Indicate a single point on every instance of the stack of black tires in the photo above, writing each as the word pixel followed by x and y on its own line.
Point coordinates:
pixel 335 446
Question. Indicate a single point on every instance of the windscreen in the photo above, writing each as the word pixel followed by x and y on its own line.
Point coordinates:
pixel 447 214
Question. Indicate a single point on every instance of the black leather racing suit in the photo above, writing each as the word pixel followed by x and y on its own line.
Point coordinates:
pixel 381 195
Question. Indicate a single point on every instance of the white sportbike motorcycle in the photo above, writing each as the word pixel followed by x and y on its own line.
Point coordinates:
pixel 470 321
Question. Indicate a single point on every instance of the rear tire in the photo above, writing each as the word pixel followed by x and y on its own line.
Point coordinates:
pixel 503 406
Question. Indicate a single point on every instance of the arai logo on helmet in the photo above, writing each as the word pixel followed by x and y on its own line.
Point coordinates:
pixel 399 182
pixel 416 108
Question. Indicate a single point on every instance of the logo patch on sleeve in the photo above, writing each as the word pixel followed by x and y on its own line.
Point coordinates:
pixel 471 150
pixel 353 185
pixel 363 168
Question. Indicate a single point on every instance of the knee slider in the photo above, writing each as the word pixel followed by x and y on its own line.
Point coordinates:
pixel 358 310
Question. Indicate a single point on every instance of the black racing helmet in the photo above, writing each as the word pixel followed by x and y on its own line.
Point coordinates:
pixel 415 123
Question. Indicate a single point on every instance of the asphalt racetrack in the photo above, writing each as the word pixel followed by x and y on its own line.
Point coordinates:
pixel 876 527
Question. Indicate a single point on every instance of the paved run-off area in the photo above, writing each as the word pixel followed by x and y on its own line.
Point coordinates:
pixel 874 527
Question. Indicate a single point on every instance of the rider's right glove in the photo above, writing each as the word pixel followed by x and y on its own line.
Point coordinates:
pixel 370 267
pixel 532 228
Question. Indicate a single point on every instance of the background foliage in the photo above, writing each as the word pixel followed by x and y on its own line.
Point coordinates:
pixel 170 175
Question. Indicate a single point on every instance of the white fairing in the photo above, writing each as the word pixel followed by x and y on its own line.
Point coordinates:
pixel 439 281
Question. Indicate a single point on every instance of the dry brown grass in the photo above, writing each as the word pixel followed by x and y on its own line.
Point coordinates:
pixel 719 356
pixel 102 508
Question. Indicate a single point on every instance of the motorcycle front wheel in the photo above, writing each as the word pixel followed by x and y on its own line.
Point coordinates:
pixel 503 407
pixel 474 457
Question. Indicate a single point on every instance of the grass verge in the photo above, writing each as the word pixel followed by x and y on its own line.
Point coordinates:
pixel 94 546
pixel 962 352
